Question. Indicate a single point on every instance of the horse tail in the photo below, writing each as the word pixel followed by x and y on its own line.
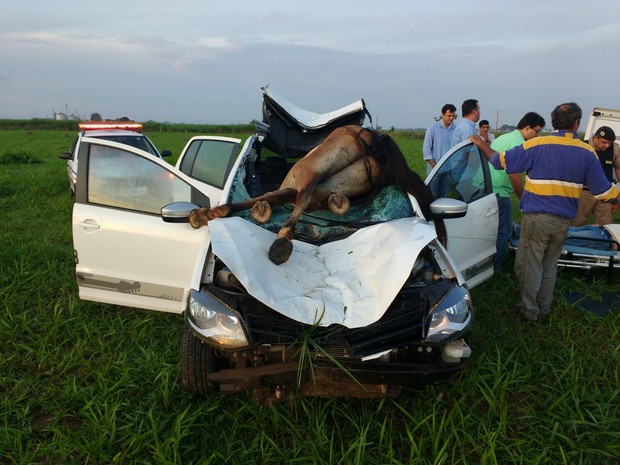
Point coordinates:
pixel 396 171
pixel 364 146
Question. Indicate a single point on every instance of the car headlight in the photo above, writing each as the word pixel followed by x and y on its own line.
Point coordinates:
pixel 216 322
pixel 451 315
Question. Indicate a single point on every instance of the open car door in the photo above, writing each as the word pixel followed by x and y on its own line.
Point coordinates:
pixel 209 159
pixel 463 174
pixel 126 254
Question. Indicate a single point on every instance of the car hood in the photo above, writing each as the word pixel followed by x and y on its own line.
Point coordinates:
pixel 350 282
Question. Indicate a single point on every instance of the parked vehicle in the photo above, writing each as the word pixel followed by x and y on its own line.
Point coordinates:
pixel 602 117
pixel 128 133
pixel 367 304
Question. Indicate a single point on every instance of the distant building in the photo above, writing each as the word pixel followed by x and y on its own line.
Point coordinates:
pixel 60 116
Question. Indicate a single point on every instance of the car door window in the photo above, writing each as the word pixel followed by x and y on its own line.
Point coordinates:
pixel 209 161
pixel 121 179
pixel 462 176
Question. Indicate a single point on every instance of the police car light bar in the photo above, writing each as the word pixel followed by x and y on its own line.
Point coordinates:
pixel 110 125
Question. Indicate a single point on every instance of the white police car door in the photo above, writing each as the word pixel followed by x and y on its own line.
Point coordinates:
pixel 463 173
pixel 125 253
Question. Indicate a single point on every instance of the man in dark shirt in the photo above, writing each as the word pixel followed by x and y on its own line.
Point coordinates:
pixel 608 153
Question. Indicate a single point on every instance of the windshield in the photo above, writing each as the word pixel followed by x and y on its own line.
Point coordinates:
pixel 137 141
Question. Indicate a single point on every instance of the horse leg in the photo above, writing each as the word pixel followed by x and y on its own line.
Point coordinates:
pixel 261 211
pixel 338 204
pixel 353 180
pixel 282 247
pixel 201 216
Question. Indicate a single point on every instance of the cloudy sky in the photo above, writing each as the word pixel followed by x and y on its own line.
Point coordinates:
pixel 205 61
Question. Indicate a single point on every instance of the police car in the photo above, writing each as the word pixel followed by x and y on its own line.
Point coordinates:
pixel 128 133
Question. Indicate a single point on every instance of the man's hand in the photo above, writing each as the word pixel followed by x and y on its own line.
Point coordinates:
pixel 476 139
pixel 485 148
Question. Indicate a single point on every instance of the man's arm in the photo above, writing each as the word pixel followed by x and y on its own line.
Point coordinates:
pixel 427 145
pixel 616 160
pixel 485 148
pixel 517 183
pixel 515 178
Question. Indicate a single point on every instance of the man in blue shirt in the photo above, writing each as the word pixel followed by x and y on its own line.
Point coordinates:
pixel 438 137
pixel 470 111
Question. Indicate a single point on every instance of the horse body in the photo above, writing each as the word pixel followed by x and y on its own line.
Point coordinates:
pixel 350 162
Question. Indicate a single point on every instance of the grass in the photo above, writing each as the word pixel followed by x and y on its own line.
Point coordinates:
pixel 82 382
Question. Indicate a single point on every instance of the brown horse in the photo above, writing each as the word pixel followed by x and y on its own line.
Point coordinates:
pixel 350 162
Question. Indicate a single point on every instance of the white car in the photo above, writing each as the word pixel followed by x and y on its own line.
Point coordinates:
pixel 382 307
pixel 128 133
pixel 603 117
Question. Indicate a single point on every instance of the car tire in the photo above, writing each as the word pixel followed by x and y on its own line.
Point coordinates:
pixel 197 361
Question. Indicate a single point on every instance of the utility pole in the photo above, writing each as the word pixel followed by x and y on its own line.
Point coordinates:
pixel 497 120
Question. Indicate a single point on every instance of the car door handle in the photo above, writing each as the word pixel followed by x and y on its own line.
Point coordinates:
pixel 89 225
pixel 491 212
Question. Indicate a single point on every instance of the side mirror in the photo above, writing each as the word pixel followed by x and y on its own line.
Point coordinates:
pixel 66 156
pixel 177 212
pixel 166 153
pixel 446 209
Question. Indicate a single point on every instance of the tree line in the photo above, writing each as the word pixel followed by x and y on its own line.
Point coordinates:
pixel 148 126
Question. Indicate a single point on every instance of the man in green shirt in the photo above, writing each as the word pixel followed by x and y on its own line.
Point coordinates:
pixel 504 184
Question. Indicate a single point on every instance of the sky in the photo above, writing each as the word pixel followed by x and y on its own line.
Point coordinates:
pixel 191 61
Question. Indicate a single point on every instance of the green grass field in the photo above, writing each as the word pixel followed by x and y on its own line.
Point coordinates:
pixel 87 383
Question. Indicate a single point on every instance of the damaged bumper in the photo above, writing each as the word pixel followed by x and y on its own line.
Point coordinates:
pixel 323 362
pixel 322 378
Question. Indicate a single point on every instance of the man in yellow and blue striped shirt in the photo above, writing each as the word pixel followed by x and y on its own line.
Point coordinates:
pixel 557 168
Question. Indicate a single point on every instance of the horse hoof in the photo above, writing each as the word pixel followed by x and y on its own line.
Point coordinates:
pixel 261 212
pixel 280 250
pixel 198 217
pixel 338 204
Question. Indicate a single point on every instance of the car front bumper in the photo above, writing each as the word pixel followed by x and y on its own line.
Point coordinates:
pixel 281 381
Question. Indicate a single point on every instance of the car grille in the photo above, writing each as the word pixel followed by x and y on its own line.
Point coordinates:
pixel 402 325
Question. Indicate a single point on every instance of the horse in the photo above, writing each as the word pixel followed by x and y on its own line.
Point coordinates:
pixel 350 162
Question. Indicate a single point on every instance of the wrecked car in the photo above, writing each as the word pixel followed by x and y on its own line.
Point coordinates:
pixel 369 303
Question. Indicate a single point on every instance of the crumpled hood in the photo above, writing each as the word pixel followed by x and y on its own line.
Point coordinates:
pixel 350 282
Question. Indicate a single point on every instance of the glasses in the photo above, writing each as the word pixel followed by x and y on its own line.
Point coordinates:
pixel 537 130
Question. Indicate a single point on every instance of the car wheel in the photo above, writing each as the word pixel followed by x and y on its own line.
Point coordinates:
pixel 197 361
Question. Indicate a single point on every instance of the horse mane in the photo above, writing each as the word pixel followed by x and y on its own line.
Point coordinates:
pixel 395 171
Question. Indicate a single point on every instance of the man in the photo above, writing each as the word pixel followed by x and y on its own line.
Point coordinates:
pixel 503 184
pixel 484 133
pixel 556 167
pixel 608 153
pixel 467 127
pixel 438 137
